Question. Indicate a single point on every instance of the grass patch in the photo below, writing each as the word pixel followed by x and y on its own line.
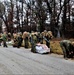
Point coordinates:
pixel 55 47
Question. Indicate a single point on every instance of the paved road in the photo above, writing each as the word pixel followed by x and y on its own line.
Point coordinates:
pixel 22 61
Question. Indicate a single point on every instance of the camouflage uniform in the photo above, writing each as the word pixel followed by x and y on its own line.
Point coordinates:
pixel 4 38
pixel 33 42
pixel 20 39
pixel 38 37
pixel 47 37
pixel 25 38
pixel 0 39
pixel 15 39
pixel 41 37
pixel 9 36
pixel 67 48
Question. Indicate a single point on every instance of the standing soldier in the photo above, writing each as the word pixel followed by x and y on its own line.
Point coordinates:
pixel 15 40
pixel 41 37
pixel 9 36
pixel 20 39
pixel 25 38
pixel 4 38
pixel 33 39
pixel 38 37
pixel 0 38
pixel 48 37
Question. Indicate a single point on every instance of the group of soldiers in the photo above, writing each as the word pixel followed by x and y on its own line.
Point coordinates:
pixel 26 38
pixel 33 38
pixel 43 38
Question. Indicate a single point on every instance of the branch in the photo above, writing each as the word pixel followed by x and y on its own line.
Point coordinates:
pixel 61 8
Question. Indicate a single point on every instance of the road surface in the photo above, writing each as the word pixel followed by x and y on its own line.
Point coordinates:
pixel 21 61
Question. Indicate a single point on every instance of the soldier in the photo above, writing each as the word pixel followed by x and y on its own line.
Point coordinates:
pixel 48 37
pixel 38 37
pixel 15 39
pixel 9 36
pixel 25 38
pixel 33 42
pixel 67 47
pixel 20 39
pixel 0 39
pixel 4 38
pixel 42 37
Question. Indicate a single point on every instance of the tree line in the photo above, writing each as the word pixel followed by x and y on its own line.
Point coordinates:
pixel 38 15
